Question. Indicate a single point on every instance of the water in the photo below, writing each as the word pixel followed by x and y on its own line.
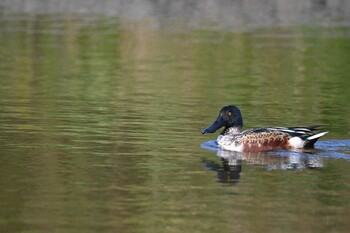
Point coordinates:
pixel 100 120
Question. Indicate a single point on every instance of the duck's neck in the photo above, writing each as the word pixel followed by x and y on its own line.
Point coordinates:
pixel 231 130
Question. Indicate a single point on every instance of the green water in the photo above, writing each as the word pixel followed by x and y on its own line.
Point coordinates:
pixel 100 124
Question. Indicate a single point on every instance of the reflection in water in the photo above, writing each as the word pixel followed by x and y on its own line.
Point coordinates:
pixel 226 14
pixel 229 171
pixel 283 160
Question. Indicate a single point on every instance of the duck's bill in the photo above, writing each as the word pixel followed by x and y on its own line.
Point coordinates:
pixel 213 127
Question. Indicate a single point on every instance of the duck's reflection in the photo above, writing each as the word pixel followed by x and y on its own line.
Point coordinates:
pixel 228 170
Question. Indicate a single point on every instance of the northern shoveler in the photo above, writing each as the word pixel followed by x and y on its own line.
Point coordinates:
pixel 259 139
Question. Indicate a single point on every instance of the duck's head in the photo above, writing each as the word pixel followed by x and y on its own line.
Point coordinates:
pixel 229 117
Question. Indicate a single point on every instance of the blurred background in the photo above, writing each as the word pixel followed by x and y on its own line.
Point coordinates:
pixel 102 103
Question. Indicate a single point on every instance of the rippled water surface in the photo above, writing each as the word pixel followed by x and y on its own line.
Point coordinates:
pixel 100 122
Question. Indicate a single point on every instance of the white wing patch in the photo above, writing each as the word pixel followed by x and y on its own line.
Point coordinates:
pixel 302 129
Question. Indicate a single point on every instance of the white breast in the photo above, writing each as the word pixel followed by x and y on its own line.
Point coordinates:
pixel 227 143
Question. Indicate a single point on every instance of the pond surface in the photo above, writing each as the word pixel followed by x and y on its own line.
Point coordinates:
pixel 100 122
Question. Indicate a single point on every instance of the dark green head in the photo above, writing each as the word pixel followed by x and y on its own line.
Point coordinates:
pixel 229 116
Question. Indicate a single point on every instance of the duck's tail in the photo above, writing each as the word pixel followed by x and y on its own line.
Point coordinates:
pixel 311 140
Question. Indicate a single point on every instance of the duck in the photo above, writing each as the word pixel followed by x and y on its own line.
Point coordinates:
pixel 260 139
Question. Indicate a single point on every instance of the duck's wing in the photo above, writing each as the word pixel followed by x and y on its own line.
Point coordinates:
pixel 300 131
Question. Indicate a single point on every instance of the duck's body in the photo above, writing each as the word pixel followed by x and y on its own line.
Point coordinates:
pixel 259 139
pixel 270 138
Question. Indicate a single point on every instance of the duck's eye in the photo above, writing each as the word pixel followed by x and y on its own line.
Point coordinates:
pixel 229 114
